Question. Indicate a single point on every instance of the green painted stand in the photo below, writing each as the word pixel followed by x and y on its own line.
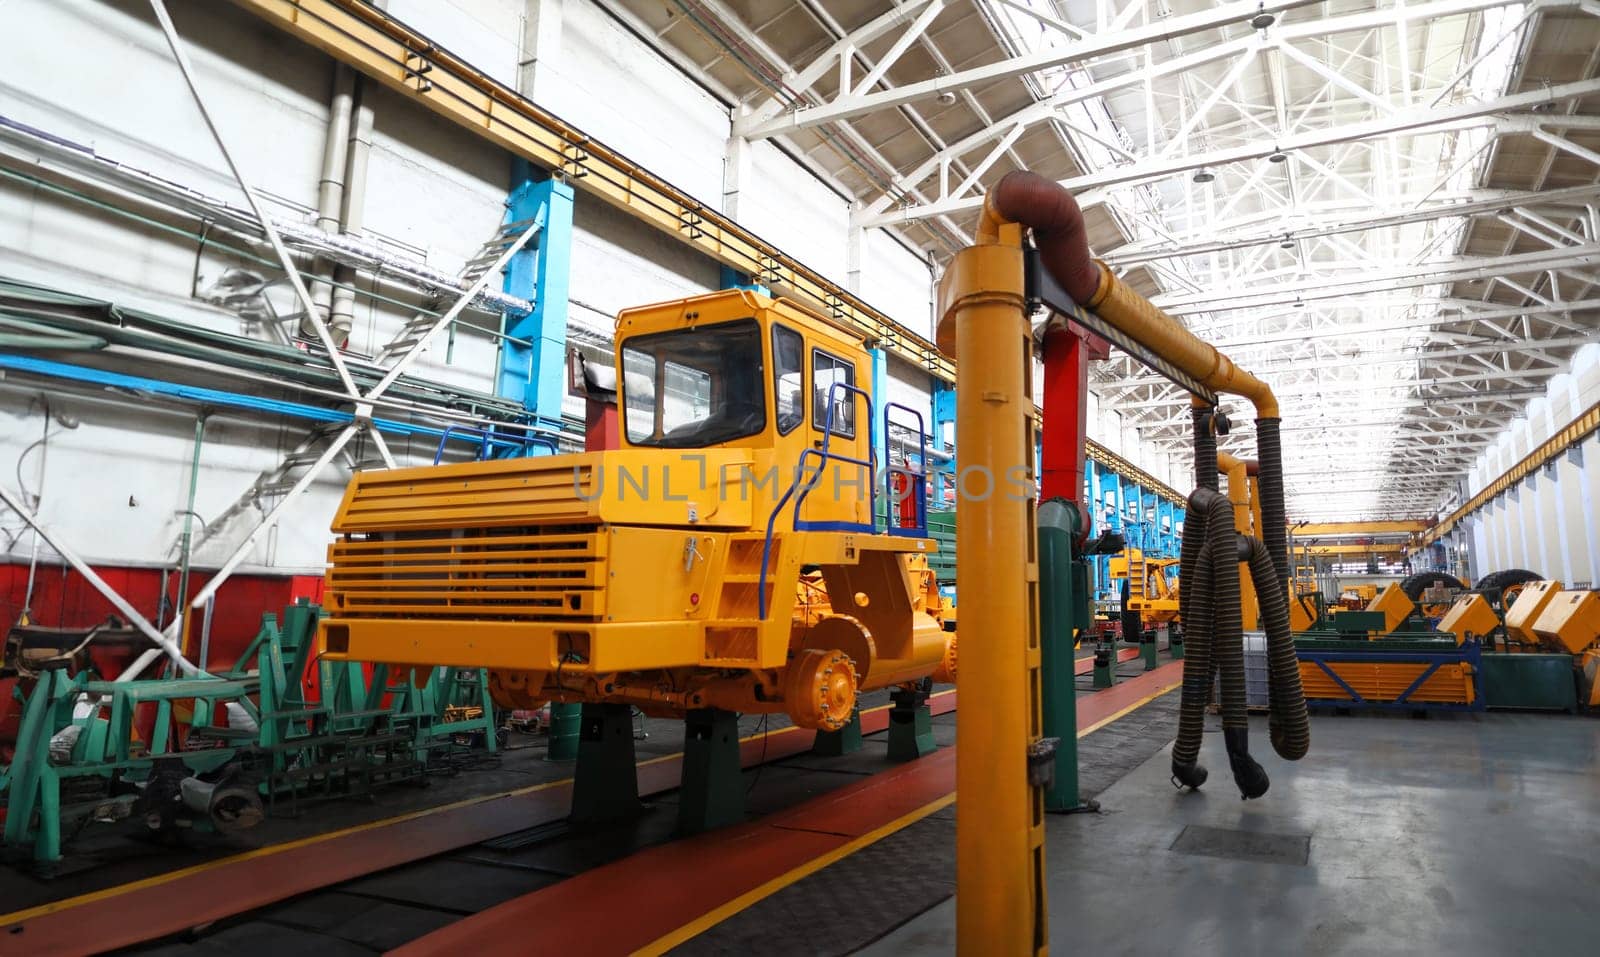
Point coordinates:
pixel 565 720
pixel 910 726
pixel 1105 665
pixel 1063 609
pixel 712 794
pixel 1175 646
pixel 605 786
pixel 846 740
pixel 1149 650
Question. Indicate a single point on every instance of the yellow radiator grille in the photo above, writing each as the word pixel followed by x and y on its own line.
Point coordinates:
pixel 478 494
pixel 508 574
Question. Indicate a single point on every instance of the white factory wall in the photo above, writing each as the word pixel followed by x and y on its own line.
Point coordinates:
pixel 1544 523
pixel 117 482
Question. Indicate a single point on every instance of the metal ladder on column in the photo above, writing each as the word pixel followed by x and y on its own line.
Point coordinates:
pixel 277 480
pixel 416 328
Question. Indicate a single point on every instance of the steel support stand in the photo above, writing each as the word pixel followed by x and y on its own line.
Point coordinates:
pixel 713 789
pixel 910 725
pixel 1150 648
pixel 605 786
pixel 1175 645
pixel 566 732
pixel 1063 603
pixel 846 740
pixel 1105 665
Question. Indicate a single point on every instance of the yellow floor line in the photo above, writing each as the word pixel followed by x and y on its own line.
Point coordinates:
pixel 1131 708
pixel 157 880
pixel 710 919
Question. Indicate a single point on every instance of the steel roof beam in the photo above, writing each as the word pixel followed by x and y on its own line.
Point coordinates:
pixel 1411 120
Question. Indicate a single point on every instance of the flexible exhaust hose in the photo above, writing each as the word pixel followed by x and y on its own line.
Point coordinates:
pixel 1290 725
pixel 1227 637
pixel 1195 610
pixel 1274 519
pixel 1205 449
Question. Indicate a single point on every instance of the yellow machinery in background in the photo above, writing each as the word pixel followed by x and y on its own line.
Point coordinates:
pixel 1569 622
pixel 726 556
pixel 1525 611
pixel 1357 597
pixel 1152 586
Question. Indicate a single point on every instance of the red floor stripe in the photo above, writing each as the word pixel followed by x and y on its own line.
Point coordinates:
pixel 144 910
pixel 666 886
pixel 172 903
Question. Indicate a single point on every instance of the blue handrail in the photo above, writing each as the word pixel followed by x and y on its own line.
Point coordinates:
pixel 823 456
pixel 488 438
pixel 918 476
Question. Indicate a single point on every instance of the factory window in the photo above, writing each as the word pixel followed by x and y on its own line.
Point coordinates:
pixel 826 371
pixel 690 388
pixel 788 377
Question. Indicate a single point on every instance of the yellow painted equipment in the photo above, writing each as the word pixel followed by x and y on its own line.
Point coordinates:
pixel 1589 673
pixel 1470 617
pixel 1570 621
pixel 1525 611
pixel 1242 493
pixel 1386 681
pixel 1357 596
pixel 1151 591
pixel 983 323
pixel 1396 607
pixel 724 557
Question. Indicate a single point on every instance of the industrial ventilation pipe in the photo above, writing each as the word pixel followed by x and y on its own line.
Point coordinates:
pixel 1209 600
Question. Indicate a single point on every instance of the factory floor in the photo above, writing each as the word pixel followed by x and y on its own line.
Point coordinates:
pixel 1468 834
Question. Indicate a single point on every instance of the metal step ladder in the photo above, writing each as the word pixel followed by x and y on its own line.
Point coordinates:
pixel 1138 576
pixel 274 482
pixel 416 328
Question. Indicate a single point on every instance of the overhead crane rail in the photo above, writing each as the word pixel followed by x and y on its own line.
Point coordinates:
pixel 1569 437
pixel 372 41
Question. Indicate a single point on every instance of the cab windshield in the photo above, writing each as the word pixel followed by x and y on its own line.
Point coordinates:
pixel 690 388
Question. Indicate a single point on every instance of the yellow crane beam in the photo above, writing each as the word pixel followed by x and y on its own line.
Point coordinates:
pixel 1322 551
pixel 1330 529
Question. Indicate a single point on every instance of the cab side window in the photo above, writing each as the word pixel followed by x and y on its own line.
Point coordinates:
pixel 826 371
pixel 788 377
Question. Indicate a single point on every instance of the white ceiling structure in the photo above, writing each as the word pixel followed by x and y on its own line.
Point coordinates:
pixel 1390 211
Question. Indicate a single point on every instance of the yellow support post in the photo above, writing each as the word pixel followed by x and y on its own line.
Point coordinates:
pixel 1239 493
pixel 1000 902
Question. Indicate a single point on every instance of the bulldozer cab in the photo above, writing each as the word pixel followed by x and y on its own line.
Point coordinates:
pixel 735 369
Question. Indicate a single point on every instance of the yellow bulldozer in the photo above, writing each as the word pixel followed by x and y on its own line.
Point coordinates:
pixel 730 554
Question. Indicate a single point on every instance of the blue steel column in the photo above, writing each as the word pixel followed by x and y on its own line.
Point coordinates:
pixel 1136 513
pixel 536 375
pixel 1164 526
pixel 943 412
pixel 1091 509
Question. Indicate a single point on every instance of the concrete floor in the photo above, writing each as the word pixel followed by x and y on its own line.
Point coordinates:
pixel 1472 834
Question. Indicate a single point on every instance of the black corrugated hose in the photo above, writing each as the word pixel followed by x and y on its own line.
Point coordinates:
pixel 1195 597
pixel 1274 520
pixel 1227 637
pixel 1205 449
pixel 1290 725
